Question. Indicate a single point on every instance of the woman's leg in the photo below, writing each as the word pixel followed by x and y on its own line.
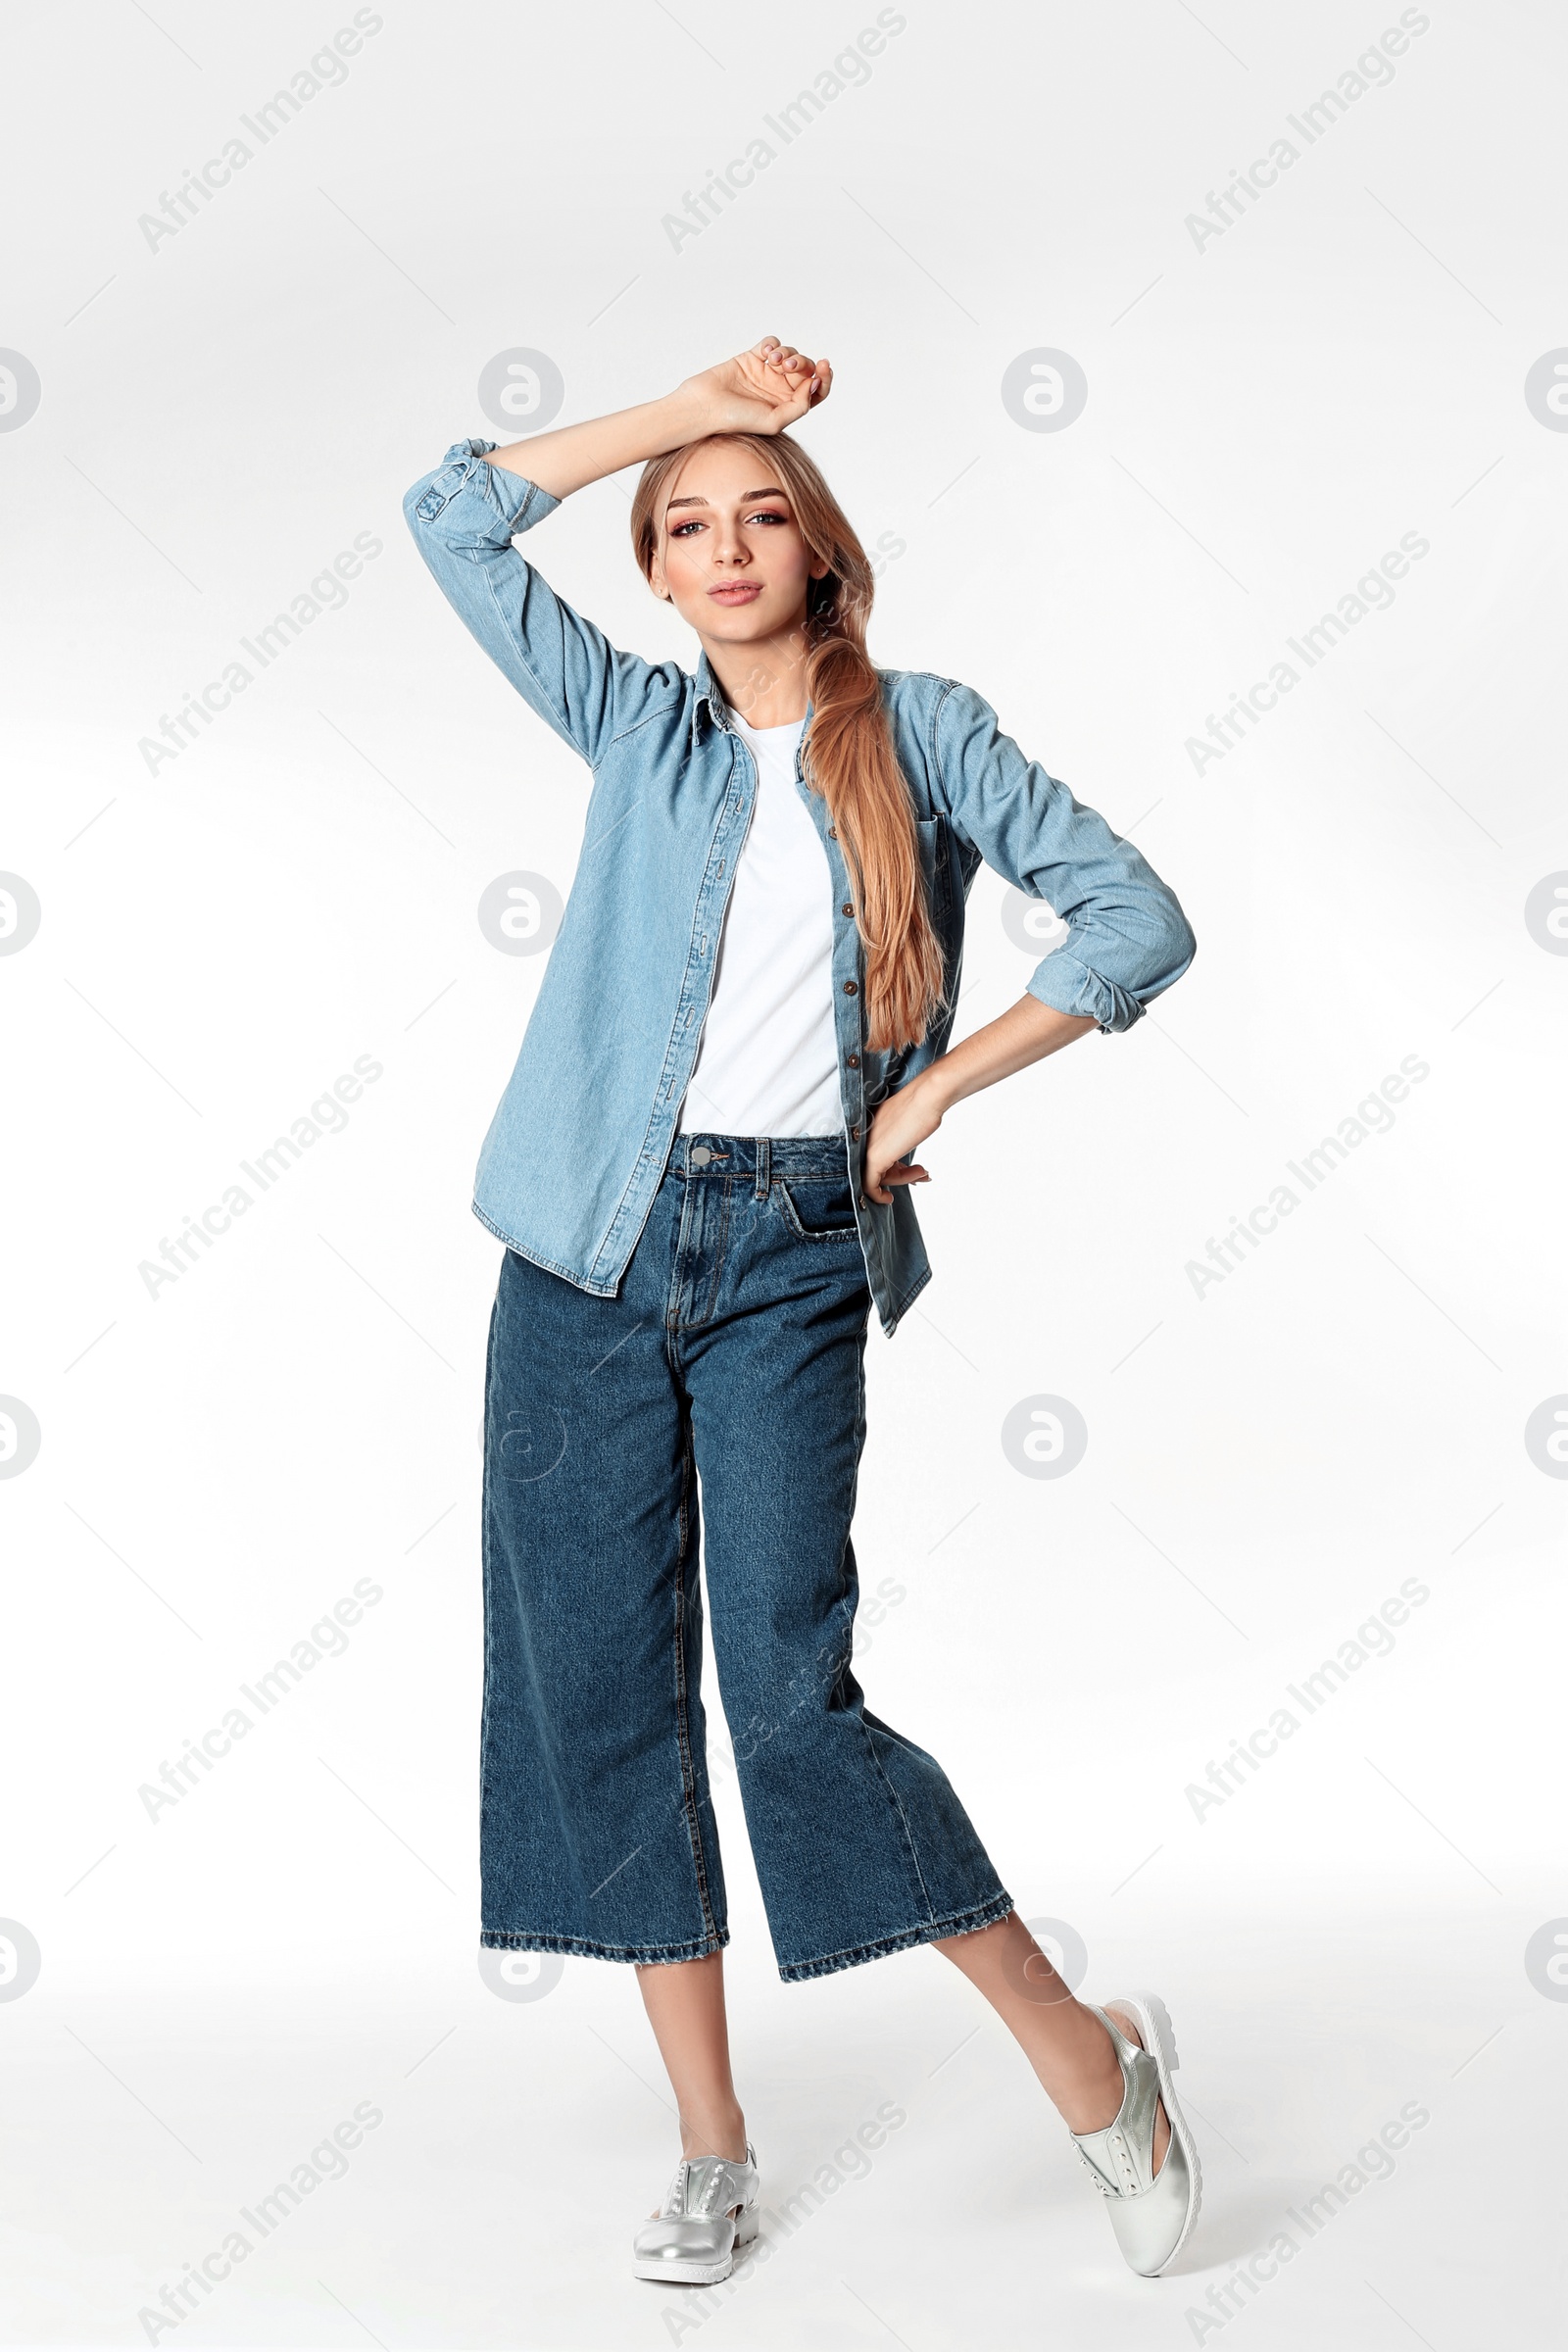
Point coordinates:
pixel 685 2004
pixel 860 1843
pixel 1064 2042
pixel 597 1834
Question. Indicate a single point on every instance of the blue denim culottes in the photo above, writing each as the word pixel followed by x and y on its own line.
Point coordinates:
pixel 734 1349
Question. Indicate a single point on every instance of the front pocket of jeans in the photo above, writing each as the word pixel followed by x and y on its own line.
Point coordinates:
pixel 818 1209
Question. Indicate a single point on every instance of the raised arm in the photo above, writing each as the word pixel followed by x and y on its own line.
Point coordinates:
pixel 760 391
pixel 466 514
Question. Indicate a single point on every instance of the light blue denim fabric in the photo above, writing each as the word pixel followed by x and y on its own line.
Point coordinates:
pixel 574 1154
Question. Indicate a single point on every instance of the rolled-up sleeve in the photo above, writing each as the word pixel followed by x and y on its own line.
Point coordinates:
pixel 1127 937
pixel 464 518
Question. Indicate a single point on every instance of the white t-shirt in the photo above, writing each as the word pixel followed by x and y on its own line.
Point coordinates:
pixel 767 1063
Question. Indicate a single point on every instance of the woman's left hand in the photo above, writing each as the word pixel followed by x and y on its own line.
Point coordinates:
pixel 900 1123
pixel 1025 1033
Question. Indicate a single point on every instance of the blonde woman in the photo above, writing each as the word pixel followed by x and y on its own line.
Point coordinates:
pixel 702 1172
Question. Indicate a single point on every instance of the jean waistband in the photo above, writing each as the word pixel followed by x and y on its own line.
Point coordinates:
pixel 702 1155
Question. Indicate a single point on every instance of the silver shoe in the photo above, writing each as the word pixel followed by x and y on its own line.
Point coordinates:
pixel 710 2216
pixel 1152 2213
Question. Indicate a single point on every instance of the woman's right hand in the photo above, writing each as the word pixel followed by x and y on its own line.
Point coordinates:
pixel 760 391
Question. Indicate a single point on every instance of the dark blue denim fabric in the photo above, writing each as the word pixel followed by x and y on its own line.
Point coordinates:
pixel 734 1348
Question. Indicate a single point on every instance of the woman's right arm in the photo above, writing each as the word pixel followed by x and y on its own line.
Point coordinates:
pixel 760 392
pixel 464 518
pixel 465 515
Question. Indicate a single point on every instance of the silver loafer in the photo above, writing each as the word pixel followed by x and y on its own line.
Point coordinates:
pixel 708 2216
pixel 1152 2213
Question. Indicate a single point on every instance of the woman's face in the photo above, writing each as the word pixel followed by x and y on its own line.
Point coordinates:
pixel 731 557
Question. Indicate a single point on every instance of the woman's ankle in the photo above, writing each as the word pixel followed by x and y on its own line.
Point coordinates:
pixel 714 2134
pixel 1085 2085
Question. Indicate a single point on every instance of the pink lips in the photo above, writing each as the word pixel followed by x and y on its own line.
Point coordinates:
pixel 738 592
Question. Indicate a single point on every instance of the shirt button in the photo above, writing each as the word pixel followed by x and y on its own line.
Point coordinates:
pixel 851 987
pixel 854 1135
pixel 847 907
pixel 832 832
pixel 854 1061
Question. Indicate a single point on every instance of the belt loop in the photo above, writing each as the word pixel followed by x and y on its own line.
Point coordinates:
pixel 764 1167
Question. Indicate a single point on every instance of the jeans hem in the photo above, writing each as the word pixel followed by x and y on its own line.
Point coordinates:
pixel 523 1939
pixel 956 1923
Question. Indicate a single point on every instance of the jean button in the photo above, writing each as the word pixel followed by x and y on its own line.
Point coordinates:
pixel 701 1156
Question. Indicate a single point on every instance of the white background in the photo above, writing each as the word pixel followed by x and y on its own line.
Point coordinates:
pixel 220 415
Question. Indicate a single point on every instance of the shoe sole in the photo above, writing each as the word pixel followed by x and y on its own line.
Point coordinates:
pixel 703 2273
pixel 1160 2039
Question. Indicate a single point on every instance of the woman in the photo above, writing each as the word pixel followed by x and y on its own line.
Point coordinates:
pixel 701 1169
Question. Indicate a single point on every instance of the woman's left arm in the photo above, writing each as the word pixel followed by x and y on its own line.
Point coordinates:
pixel 1026 1032
pixel 1127 940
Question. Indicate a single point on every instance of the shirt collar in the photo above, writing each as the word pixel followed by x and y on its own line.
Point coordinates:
pixel 708 691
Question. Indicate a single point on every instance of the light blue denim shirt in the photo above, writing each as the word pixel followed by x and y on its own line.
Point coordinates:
pixel 581 1136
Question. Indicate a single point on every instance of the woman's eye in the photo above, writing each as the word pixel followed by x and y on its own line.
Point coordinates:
pixel 682 530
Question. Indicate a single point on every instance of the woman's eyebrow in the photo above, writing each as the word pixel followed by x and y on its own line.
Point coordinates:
pixel 744 500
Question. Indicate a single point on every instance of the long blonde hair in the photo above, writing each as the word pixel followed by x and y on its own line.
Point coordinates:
pixel 851 756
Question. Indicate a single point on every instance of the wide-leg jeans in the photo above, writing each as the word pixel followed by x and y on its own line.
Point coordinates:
pixel 732 1352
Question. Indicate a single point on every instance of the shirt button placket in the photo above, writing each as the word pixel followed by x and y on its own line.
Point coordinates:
pixel 851 988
